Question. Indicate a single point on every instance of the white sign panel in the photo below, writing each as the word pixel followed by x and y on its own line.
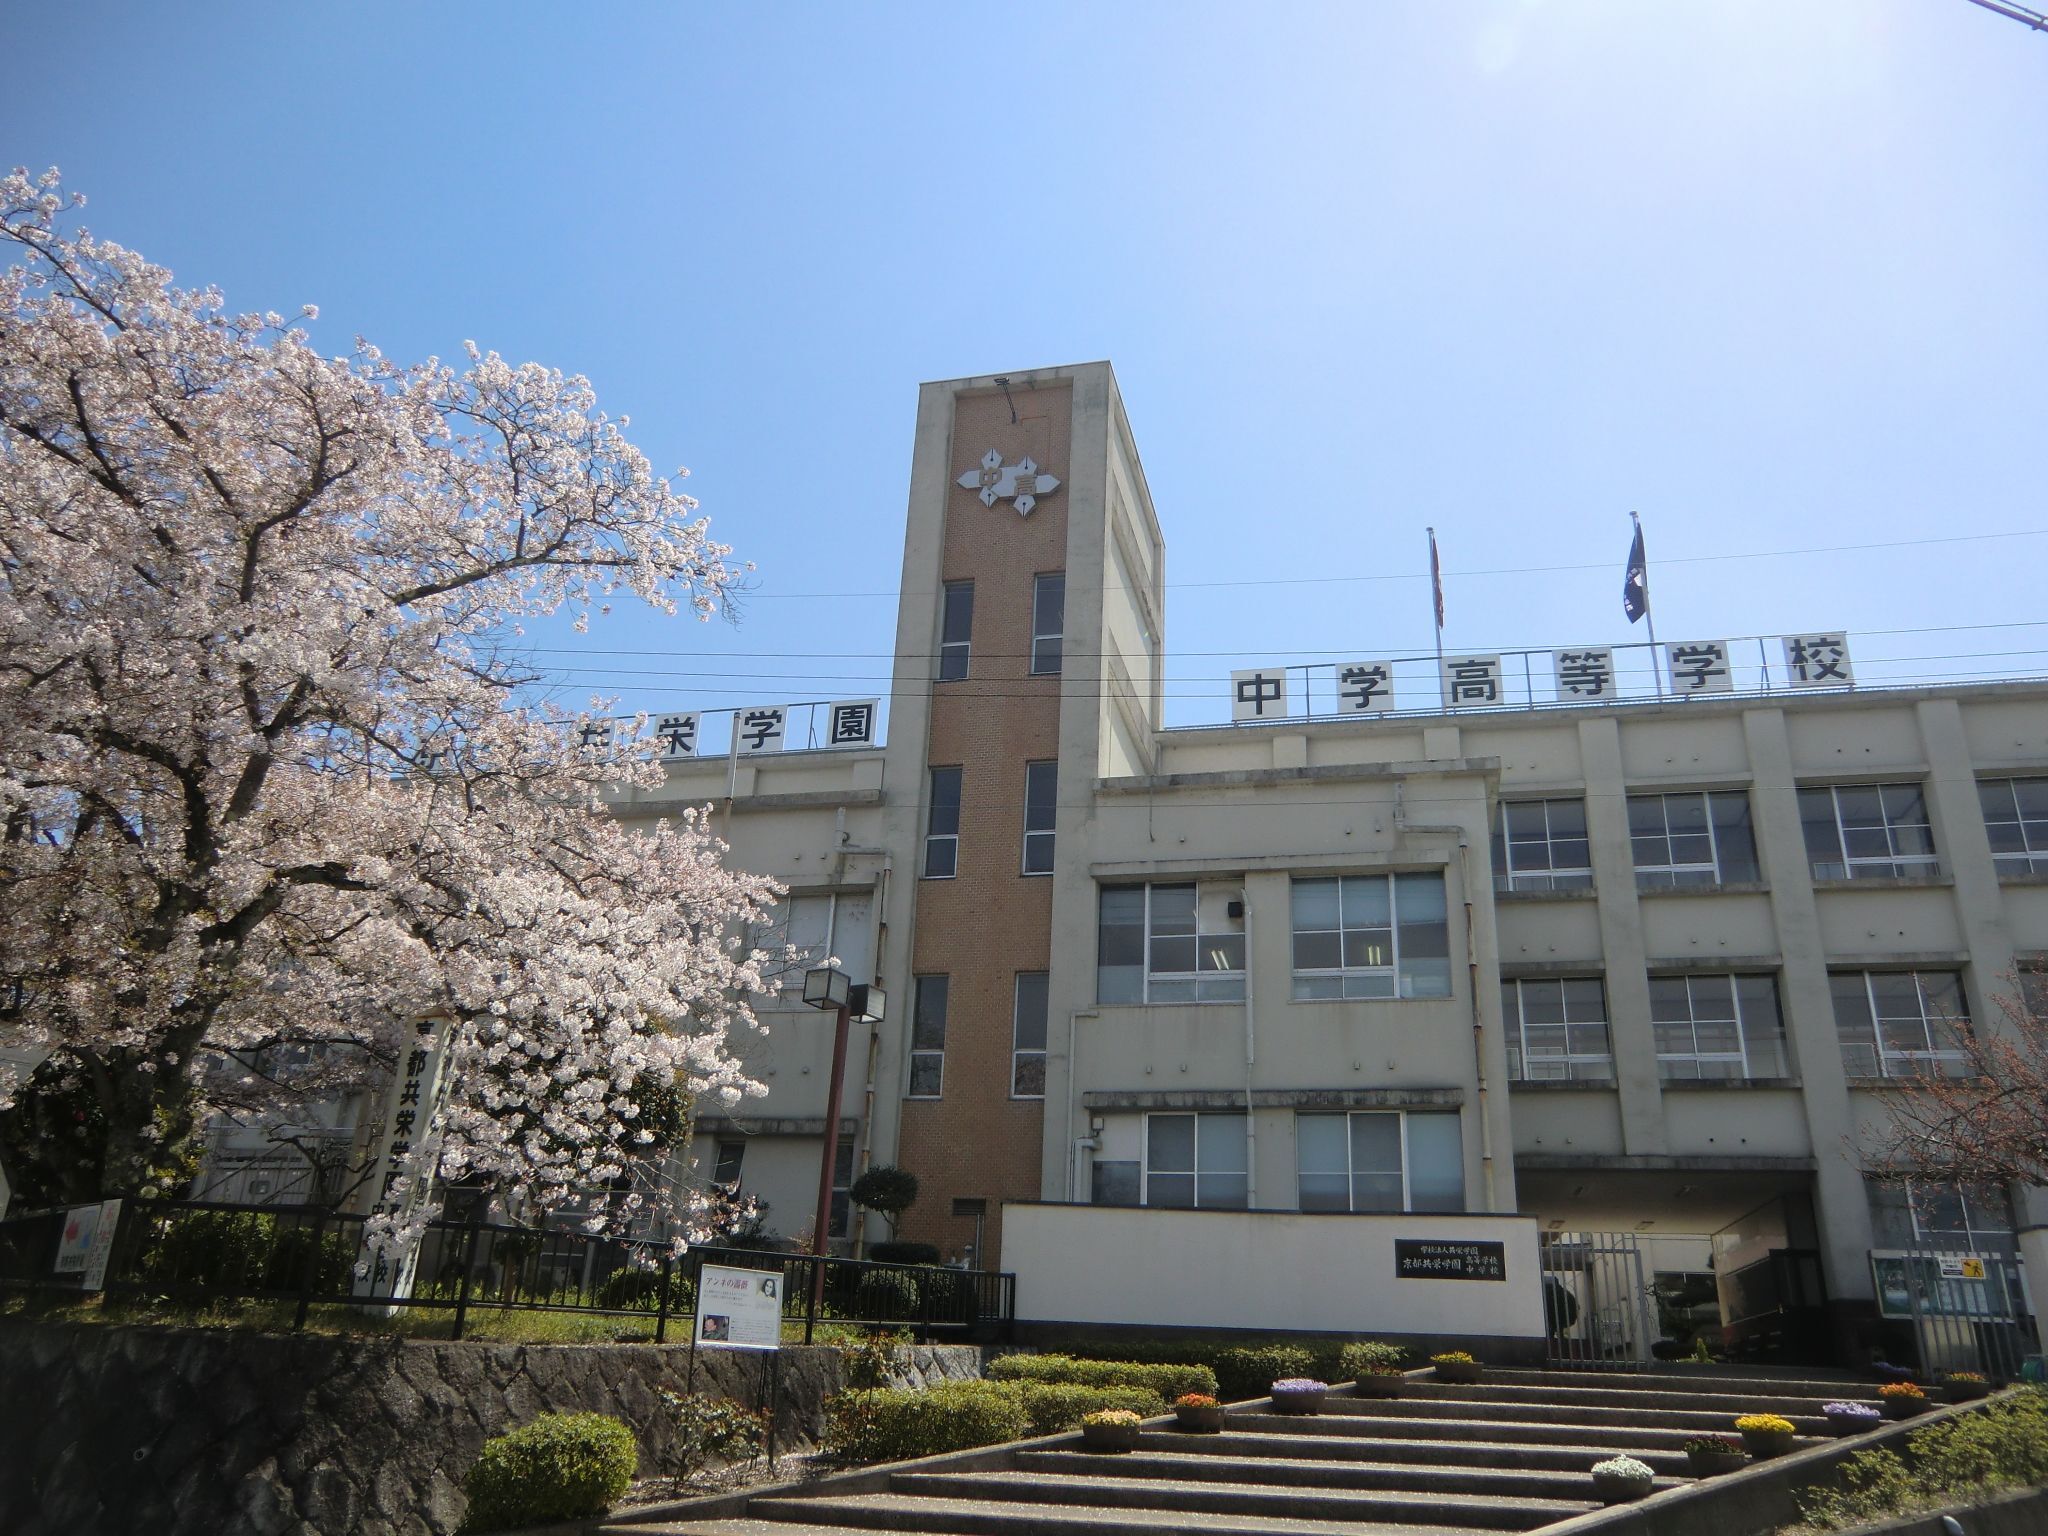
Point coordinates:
pixel 1818 661
pixel 1700 666
pixel 412 1138
pixel 851 723
pixel 594 738
pixel 102 1248
pixel 677 735
pixel 1584 674
pixel 759 730
pixel 739 1308
pixel 1260 694
pixel 1471 680
pixel 1365 688
pixel 1957 1266
pixel 81 1226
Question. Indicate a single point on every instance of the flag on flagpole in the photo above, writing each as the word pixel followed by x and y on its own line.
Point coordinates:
pixel 1436 580
pixel 1635 586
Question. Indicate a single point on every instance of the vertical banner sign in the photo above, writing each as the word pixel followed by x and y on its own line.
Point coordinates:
pixel 102 1249
pixel 739 1308
pixel 74 1246
pixel 1260 694
pixel 412 1138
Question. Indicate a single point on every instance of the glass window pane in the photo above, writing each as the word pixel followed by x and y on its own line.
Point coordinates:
pixel 1365 903
pixel 1170 1143
pixel 1669 999
pixel 1436 1163
pixel 1376 1143
pixel 1173 1190
pixel 1317 951
pixel 1314 904
pixel 1173 909
pixel 1114 1183
pixel 1220 989
pixel 1318 988
pixel 1222 1191
pixel 1030 1016
pixel 1041 796
pixel 1526 820
pixel 1219 1143
pixel 1542 1002
pixel 1376 1192
pixel 1027 1077
pixel 1423 976
pixel 958 623
pixel 926 1070
pixel 1646 816
pixel 1685 813
pixel 1324 1191
pixel 1321 1144
pixel 1222 952
pixel 1120 984
pixel 1173 954
pixel 1584 999
pixel 928 1021
pixel 1368 948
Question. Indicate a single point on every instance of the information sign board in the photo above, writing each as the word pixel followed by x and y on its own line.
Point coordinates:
pixel 1416 1259
pixel 739 1308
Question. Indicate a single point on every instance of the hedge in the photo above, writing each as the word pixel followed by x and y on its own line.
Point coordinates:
pixel 1356 1360
pixel 893 1424
pixel 1052 1406
pixel 1241 1370
pixel 1169 1381
pixel 562 1466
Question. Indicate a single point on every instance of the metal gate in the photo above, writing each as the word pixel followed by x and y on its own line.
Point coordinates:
pixel 1967 1311
pixel 1596 1300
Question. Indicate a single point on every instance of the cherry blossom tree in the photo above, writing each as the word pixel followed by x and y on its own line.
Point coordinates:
pixel 274 784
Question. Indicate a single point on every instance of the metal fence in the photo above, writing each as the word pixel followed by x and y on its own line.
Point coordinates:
pixel 199 1252
pixel 1596 1299
pixel 1966 1311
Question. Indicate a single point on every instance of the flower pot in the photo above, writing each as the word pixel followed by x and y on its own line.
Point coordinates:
pixel 1298 1402
pixel 1378 1386
pixel 1463 1372
pixel 1619 1490
pixel 1905 1407
pixel 1110 1437
pixel 1199 1420
pixel 1713 1463
pixel 1766 1443
pixel 1967 1391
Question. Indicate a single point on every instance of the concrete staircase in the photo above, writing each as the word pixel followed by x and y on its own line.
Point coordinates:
pixel 1511 1453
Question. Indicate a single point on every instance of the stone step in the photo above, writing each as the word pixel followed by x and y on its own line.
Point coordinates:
pixel 1413 1473
pixel 1689 1379
pixel 1002 1517
pixel 1516 1430
pixel 1103 1486
pixel 1568 1455
pixel 1698 1420
pixel 1771 1399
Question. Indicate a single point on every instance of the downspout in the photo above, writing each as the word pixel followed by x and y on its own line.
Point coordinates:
pixel 1073 1100
pixel 1251 1055
pixel 1402 824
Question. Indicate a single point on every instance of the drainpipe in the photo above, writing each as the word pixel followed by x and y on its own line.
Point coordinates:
pixel 1251 1055
pixel 1402 824
pixel 1073 1100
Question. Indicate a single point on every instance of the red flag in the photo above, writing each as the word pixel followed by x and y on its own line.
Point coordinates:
pixel 1436 579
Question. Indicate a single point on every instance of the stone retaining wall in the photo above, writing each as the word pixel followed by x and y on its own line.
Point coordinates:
pixel 217 1432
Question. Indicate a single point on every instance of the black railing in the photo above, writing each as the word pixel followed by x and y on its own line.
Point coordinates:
pixel 195 1253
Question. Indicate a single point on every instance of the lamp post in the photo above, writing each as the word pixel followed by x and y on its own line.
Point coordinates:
pixel 828 987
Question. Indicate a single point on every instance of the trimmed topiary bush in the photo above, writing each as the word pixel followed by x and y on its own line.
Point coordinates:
pixel 1167 1381
pixel 562 1466
pixel 891 1424
pixel 905 1253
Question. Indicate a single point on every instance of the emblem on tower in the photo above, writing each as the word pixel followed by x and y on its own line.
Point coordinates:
pixel 1020 483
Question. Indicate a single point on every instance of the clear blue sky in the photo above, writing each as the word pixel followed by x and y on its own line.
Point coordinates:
pixel 1769 272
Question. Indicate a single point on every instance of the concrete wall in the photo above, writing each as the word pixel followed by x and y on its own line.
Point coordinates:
pixel 1234 1269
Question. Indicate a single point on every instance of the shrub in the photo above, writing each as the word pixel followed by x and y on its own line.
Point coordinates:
pixel 1251 1371
pixel 1368 1357
pixel 711 1432
pixel 887 1424
pixel 210 1251
pixel 1765 1424
pixel 1714 1445
pixel 331 1260
pixel 562 1466
pixel 885 1296
pixel 866 1361
pixel 639 1290
pixel 887 1190
pixel 1053 1406
pixel 905 1253
pixel 1168 1381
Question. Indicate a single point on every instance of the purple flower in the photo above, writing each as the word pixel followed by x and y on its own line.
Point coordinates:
pixel 1300 1384
pixel 1850 1411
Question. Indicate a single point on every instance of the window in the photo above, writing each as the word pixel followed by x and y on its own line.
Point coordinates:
pixel 1371 936
pixel 1899 1023
pixel 819 927
pixel 942 826
pixel 1196 1161
pixel 1942 1215
pixel 1048 622
pixel 1717 1026
pixel 1557 1029
pixel 1027 1037
pixel 1540 845
pixel 1379 1160
pixel 1867 831
pixel 842 1184
pixel 725 1171
pixel 956 630
pixel 928 1037
pixel 1041 806
pixel 1169 944
pixel 1692 839
pixel 2016 816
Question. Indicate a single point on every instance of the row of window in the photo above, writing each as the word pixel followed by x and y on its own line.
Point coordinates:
pixel 1704 838
pixel 1027 1036
pixel 1048 626
pixel 1888 1024
pixel 1368 1160
pixel 942 820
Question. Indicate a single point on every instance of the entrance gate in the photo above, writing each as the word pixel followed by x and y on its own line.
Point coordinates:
pixel 1967 1311
pixel 1596 1300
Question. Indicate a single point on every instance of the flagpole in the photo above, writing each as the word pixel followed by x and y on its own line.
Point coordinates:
pixel 1649 613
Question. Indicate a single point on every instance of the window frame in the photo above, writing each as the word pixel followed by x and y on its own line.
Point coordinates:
pixel 934 812
pixel 1020 1054
pixel 1041 584
pixel 1400 986
pixel 1946 1062
pixel 1845 866
pixel 1673 871
pixel 931 994
pixel 1197 977
pixel 956 656
pixel 1969 1195
pixel 737 1147
pixel 813 955
pixel 2032 831
pixel 1045 807
pixel 1515 1029
pixel 1742 1058
pixel 1351 1173
pixel 1552 876
pixel 1195 1172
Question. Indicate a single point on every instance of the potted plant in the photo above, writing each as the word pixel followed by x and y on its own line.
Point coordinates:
pixel 1965 1386
pixel 1379 1381
pixel 1766 1434
pixel 1110 1429
pixel 1902 1399
pixel 1456 1365
pixel 1198 1413
pixel 1851 1418
pixel 1707 1455
pixel 1620 1479
pixel 1298 1394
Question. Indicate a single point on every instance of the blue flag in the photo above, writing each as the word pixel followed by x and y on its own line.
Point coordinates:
pixel 1635 586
